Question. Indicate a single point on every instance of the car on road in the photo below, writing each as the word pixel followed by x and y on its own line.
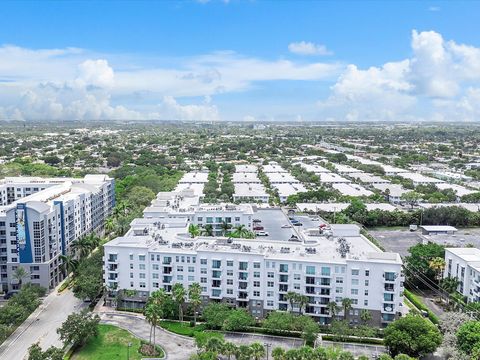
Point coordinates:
pixel 286 226
pixel 293 221
pixel 298 224
pixel 261 233
pixel 258 228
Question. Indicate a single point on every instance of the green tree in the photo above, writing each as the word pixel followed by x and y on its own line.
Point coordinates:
pixel 257 350
pixel 229 349
pixel 238 320
pixel 153 314
pixel 346 305
pixel 333 309
pixel 412 335
pixel 291 297
pixel 411 198
pixel 215 315
pixel 365 315
pixel 20 274
pixel 194 230
pixel 195 299
pixel 417 263
pixel 278 353
pixel 140 197
pixel 69 263
pixel 178 295
pixel 468 337
pixel 78 328
pixel 35 352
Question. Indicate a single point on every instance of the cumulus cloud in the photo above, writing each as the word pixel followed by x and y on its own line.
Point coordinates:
pixel 308 48
pixel 437 76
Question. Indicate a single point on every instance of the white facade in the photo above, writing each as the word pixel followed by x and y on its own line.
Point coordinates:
pixel 257 274
pixel 463 264
pixel 250 192
pixel 35 230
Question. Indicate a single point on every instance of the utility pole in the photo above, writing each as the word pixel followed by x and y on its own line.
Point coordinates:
pixel 267 345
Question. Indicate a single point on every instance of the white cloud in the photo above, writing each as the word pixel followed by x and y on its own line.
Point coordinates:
pixel 96 73
pixel 308 48
pixel 249 118
pixel 437 76
pixel 170 109
pixel 434 8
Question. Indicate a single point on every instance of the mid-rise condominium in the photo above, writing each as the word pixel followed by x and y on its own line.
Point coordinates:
pixel 39 220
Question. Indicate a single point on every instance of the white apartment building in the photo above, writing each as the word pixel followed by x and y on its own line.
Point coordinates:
pixel 39 225
pixel 257 274
pixel 186 205
pixel 250 192
pixel 464 265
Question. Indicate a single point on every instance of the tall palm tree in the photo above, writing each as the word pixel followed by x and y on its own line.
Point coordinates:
pixel 225 227
pixel 110 224
pixel 365 316
pixel 69 263
pixel 208 230
pixel 302 302
pixel 195 299
pixel 229 349
pixel 214 344
pixel 241 230
pixel 333 308
pixel 194 230
pixel 153 314
pixel 291 297
pixel 347 305
pixel 257 350
pixel 437 265
pixel 243 352
pixel 178 295
pixel 20 274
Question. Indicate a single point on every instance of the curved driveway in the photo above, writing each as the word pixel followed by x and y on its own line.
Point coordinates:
pixel 176 347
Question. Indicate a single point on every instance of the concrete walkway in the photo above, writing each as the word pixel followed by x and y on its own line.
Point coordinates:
pixel 176 347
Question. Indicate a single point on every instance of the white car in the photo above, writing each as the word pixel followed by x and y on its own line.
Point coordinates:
pixel 286 226
pixel 261 233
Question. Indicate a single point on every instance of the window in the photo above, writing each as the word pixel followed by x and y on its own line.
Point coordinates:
pixel 269 302
pixel 283 268
pixel 155 267
pixel 270 275
pixel 230 291
pixel 310 270
pixel 141 266
pixel 256 265
pixel 339 290
pixel 297 276
pixel 229 272
pixel 180 277
pixel 216 264
pixel 325 271
pixel 367 272
pixel 142 275
pixel 191 269
pixel 155 276
pixel 256 293
pixel 256 284
pixel 366 283
pixel 354 291
pixel 354 281
pixel 270 283
pixel 191 278
pixel 203 261
pixel 366 292
pixel 355 272
pixel 256 274
pixel 229 263
pixel 131 256
pixel 229 281
pixel 180 268
pixel 143 285
pixel 365 302
pixel 269 293
pixel 203 271
pixel 203 280
pixel 141 257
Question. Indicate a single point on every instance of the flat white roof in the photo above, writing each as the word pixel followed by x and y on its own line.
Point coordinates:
pixel 246 177
pixel 332 178
pixel 345 169
pixel 352 189
pixel 194 177
pixel 281 178
pixel 285 190
pixel 271 168
pixel 247 168
pixel 438 228
pixel 197 188
pixel 459 190
pixel 419 178
pixel 314 168
pixel 337 207
pixel 395 189
pixel 368 178
pixel 249 190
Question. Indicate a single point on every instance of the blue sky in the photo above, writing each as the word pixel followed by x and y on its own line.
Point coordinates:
pixel 240 60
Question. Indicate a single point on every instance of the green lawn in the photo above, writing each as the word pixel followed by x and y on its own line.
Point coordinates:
pixel 112 343
pixel 181 328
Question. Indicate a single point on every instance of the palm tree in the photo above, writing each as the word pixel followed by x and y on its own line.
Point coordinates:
pixel 320 353
pixel 110 224
pixel 225 227
pixel 20 274
pixel 291 297
pixel 244 352
pixel 241 230
pixel 278 353
pixel 178 295
pixel 333 308
pixel 229 349
pixel 365 316
pixel 257 350
pixel 69 263
pixel 195 299
pixel 302 302
pixel 194 230
pixel 437 265
pixel 347 305
pixel 214 344
pixel 208 230
pixel 153 314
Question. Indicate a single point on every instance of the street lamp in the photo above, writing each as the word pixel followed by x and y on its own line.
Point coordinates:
pixel 267 345
pixel 128 350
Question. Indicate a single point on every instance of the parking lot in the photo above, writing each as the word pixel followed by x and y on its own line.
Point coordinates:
pixel 272 341
pixel 273 219
pixel 372 351
pixel 401 240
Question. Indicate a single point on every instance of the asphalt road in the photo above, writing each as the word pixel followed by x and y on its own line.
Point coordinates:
pixel 41 326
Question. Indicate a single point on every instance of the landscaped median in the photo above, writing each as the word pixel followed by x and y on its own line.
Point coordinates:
pixel 112 343
pixel 421 306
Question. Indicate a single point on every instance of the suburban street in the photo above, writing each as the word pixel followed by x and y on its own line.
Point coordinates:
pixel 41 326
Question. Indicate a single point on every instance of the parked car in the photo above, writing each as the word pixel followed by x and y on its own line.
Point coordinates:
pixel 258 228
pixel 293 221
pixel 261 233
pixel 286 226
pixel 298 224
pixel 257 220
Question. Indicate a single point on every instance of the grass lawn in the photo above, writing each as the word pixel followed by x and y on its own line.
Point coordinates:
pixel 181 328
pixel 112 343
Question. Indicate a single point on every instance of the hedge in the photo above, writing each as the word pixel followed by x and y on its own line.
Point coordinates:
pixel 421 306
pixel 349 339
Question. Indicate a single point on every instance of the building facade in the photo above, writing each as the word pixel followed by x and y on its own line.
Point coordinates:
pixel 40 225
pixel 463 264
pixel 257 274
